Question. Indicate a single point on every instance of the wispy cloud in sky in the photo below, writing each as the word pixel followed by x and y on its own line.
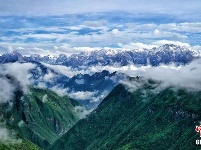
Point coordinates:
pixel 49 26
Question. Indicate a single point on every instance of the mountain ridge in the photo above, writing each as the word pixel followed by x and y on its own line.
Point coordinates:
pixel 40 115
pixel 163 54
pixel 141 119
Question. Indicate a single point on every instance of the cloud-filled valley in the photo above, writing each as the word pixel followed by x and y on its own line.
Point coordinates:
pixel 181 76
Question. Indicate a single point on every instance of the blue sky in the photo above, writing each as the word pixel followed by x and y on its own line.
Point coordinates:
pixel 54 27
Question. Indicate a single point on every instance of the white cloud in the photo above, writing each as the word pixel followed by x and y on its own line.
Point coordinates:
pixel 44 98
pixel 156 32
pixel 79 81
pixel 130 31
pixel 190 27
pixel 7 136
pixel 99 97
pixel 6 90
pixel 59 91
pixel 183 76
pixel 34 50
pixel 68 49
pixel 115 31
pixel 19 71
pixel 141 46
pixel 162 42
pixel 67 71
pixel 187 76
pixel 57 43
pixel 19 77
pixel 41 85
pixel 167 34
pixel 82 111
pixel 49 76
pixel 82 95
pixel 63 48
pixel 137 46
pixel 10 49
pixel 131 85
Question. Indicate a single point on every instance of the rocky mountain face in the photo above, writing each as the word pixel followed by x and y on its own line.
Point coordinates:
pixel 91 88
pixel 143 118
pixel 11 57
pixel 164 54
pixel 96 86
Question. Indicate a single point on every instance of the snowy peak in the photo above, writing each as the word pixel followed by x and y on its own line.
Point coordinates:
pixel 163 54
pixel 11 57
pixel 171 47
pixel 19 56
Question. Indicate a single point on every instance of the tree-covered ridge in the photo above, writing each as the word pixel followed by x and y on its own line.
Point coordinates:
pixel 25 145
pixel 146 118
pixel 40 116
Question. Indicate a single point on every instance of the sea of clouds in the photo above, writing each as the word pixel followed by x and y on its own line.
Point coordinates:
pixel 183 76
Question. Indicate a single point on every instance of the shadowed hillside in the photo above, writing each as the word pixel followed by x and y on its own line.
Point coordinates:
pixel 40 116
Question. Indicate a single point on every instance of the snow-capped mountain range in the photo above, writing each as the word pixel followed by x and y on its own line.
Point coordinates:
pixel 155 56
pixel 89 88
pixel 164 54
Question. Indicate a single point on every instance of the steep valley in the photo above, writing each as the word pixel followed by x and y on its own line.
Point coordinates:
pixel 141 119
pixel 40 116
